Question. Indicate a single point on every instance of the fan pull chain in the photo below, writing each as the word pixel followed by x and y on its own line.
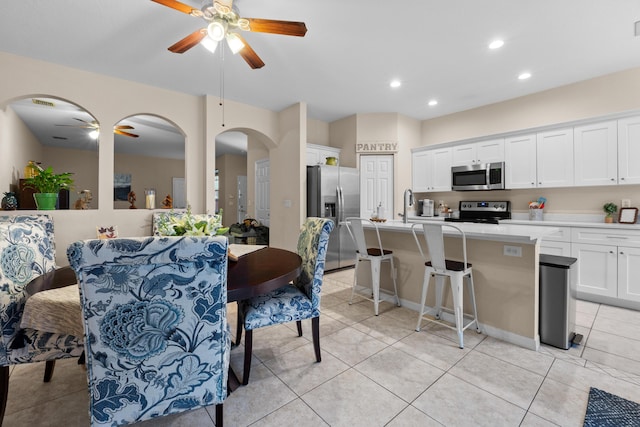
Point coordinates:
pixel 222 82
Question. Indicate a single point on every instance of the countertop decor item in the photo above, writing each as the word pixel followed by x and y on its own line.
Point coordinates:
pixel 9 201
pixel 332 161
pixel 609 209
pixel 47 186
pixel 628 215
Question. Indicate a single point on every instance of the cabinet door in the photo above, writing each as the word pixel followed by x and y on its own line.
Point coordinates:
pixel 463 155
pixel 421 171
pixel 554 156
pixel 520 161
pixel 441 170
pixel 629 273
pixel 549 247
pixel 596 154
pixel 313 157
pixel 490 151
pixel 597 268
pixel 629 150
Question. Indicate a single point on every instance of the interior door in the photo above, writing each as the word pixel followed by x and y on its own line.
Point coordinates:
pixel 376 184
pixel 262 191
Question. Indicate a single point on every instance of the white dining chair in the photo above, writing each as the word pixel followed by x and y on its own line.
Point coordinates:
pixel 437 266
pixel 375 256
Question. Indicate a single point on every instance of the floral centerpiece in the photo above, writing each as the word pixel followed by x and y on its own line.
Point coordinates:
pixel 188 224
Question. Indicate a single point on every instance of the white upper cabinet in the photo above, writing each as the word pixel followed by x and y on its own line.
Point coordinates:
pixel 520 161
pixel 596 154
pixel 554 155
pixel 629 150
pixel 478 153
pixel 317 154
pixel 431 170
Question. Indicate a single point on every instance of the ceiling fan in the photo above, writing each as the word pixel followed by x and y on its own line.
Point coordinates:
pixel 223 18
pixel 95 127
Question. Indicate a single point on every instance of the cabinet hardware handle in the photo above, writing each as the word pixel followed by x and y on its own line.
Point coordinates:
pixel 621 253
pixel 617 237
pixel 611 252
pixel 622 178
pixel 613 179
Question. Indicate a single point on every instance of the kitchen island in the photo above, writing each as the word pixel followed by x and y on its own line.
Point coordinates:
pixel 506 287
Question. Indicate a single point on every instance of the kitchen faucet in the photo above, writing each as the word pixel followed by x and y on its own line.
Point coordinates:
pixel 407 201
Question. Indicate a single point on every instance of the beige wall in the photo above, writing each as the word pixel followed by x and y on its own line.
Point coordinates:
pixel 17 146
pixel 83 164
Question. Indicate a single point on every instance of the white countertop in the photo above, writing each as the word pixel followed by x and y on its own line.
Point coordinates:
pixel 566 220
pixel 517 233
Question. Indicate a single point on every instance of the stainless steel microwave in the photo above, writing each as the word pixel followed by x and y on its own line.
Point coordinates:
pixel 485 176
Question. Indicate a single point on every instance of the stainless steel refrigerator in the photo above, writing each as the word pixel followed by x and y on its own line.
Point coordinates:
pixel 334 192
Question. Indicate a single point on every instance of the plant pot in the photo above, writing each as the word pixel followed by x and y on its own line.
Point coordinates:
pixel 608 219
pixel 46 201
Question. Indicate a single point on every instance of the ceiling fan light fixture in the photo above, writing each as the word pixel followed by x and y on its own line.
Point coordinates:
pixel 209 44
pixel 217 29
pixel 235 43
pixel 94 134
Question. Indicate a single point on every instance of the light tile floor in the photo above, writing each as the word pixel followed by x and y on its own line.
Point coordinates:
pixel 377 371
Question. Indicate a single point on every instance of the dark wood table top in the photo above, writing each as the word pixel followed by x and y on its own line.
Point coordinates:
pixel 260 272
pixel 254 274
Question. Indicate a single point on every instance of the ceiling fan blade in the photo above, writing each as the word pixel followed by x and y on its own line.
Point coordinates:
pixel 272 26
pixel 180 7
pixel 188 42
pixel 121 127
pixel 87 126
pixel 250 55
pixel 121 132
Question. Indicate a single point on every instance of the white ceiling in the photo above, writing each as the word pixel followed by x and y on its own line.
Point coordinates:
pixel 352 50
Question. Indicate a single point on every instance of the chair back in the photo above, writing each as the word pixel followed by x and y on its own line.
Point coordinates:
pixel 355 226
pixel 312 248
pixel 154 312
pixel 27 250
pixel 433 236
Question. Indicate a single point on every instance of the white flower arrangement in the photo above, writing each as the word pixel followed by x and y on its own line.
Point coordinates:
pixel 188 224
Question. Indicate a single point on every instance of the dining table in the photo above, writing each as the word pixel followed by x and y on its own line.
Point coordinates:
pixel 261 270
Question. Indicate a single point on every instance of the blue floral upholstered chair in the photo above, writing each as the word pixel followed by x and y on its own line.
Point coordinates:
pixel 155 320
pixel 295 302
pixel 27 250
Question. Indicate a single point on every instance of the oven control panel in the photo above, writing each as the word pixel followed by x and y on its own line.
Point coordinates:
pixel 475 206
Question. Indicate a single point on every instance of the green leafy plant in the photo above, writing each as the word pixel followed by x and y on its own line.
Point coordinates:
pixel 48 182
pixel 610 208
pixel 188 224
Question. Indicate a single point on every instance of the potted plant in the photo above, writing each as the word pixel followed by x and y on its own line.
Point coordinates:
pixel 47 186
pixel 609 209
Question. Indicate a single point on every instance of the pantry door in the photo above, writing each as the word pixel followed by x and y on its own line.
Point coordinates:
pixel 376 185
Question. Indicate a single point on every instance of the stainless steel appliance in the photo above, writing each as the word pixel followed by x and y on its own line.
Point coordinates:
pixel 485 176
pixel 334 192
pixel 483 212
pixel 427 207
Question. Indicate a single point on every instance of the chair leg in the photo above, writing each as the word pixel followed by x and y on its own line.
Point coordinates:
pixel 440 282
pixel 375 282
pixel 355 281
pixel 299 325
pixel 458 301
pixel 219 415
pixel 315 330
pixel 48 370
pixel 239 327
pixel 423 298
pixel 472 295
pixel 248 344
pixel 4 390
pixel 394 275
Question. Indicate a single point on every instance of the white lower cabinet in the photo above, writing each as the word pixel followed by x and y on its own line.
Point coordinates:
pixel 557 243
pixel 608 265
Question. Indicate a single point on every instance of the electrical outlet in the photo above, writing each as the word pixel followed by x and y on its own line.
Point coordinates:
pixel 512 251
pixel 626 203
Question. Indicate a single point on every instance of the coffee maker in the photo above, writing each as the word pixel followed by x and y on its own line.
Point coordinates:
pixel 427 207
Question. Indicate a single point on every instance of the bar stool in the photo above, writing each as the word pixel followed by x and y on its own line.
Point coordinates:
pixel 375 256
pixel 441 268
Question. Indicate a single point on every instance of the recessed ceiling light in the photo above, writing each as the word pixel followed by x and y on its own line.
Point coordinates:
pixel 496 44
pixel 524 76
pixel 395 83
pixel 433 103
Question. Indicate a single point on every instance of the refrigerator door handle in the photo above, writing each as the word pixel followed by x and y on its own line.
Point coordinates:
pixel 340 213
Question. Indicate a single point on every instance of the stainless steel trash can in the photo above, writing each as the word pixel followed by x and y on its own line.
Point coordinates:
pixel 558 281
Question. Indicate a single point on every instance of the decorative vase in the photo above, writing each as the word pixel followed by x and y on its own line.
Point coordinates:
pixel 46 201
pixel 332 161
pixel 9 201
